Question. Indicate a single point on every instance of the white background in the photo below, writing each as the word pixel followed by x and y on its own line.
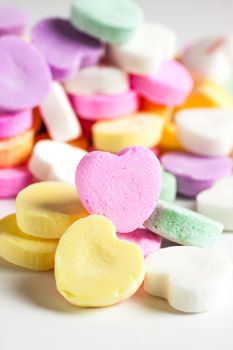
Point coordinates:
pixel 34 316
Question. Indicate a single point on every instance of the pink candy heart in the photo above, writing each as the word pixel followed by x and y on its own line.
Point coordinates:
pixel 124 187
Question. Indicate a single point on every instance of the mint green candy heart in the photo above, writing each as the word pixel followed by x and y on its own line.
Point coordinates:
pixel 113 21
pixel 169 187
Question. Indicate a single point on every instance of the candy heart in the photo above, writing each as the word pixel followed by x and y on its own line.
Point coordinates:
pixel 12 124
pixel 146 50
pixel 98 80
pixel 113 21
pixel 55 161
pixel 206 131
pixel 93 268
pixel 23 250
pixel 183 226
pixel 13 180
pixel 217 202
pixel 13 20
pixel 24 75
pixel 191 279
pixel 208 58
pixel 169 187
pixel 194 173
pixel 124 187
pixel 65 48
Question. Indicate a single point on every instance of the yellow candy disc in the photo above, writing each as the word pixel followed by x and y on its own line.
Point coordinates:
pixel 23 250
pixel 47 209
pixel 93 268
pixel 139 129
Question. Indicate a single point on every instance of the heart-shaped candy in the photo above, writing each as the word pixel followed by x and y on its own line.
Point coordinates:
pixel 191 279
pixel 217 202
pixel 93 268
pixel 124 187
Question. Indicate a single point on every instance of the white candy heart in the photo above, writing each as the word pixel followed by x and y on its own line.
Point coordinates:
pixel 98 80
pixel 143 54
pixel 217 202
pixel 208 58
pixel 191 279
pixel 206 131
pixel 58 115
pixel 55 161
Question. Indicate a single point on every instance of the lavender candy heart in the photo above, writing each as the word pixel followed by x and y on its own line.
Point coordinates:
pixel 25 78
pixel 65 48
pixel 13 20
pixel 195 173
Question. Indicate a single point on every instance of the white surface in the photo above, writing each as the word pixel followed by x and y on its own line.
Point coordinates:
pixel 32 314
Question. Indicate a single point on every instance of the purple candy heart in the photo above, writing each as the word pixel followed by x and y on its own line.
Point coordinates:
pixel 65 48
pixel 13 20
pixel 195 173
pixel 25 78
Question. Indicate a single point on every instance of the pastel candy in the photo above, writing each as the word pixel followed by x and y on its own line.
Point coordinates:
pixel 93 268
pixel 65 48
pixel 169 86
pixel 144 53
pixel 12 124
pixel 22 68
pixel 208 58
pixel 58 115
pixel 194 173
pixel 47 209
pixel 191 279
pixel 96 107
pixel 183 226
pixel 113 21
pixel 169 140
pixel 13 180
pixel 25 251
pixel 13 20
pixel 147 241
pixel 55 161
pixel 217 202
pixel 164 112
pixel 109 185
pixel 16 150
pixel 210 94
pixel 206 131
pixel 169 187
pixel 102 80
pixel 139 129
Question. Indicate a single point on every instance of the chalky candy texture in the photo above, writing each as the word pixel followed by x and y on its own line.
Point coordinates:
pixel 184 226
pixel 23 250
pixel 169 86
pixel 13 20
pixel 123 187
pixel 145 239
pixel 169 187
pixel 13 180
pixel 47 209
pixel 194 173
pixel 65 48
pixel 113 21
pixel 12 124
pixel 25 78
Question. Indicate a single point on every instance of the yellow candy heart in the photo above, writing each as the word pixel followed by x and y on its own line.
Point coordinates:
pixel 23 250
pixel 93 268
pixel 47 209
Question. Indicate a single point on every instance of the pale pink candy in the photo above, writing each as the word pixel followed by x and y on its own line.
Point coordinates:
pixel 13 180
pixel 149 242
pixel 124 187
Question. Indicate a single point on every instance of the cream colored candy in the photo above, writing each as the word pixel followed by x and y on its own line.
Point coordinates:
pixel 55 161
pixel 206 131
pixel 58 115
pixel 148 48
pixel 23 250
pixel 93 268
pixel 139 129
pixel 47 209
pixel 98 80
